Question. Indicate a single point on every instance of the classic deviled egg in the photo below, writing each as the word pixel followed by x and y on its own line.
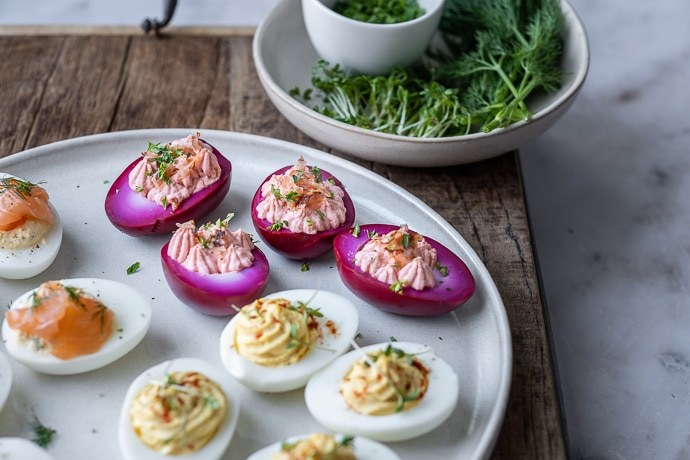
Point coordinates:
pixel 171 183
pixel 299 209
pixel 183 407
pixel 75 325
pixel 212 268
pixel 400 271
pixel 325 446
pixel 387 392
pixel 30 229
pixel 278 342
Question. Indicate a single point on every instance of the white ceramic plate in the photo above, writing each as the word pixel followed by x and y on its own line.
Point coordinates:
pixel 284 57
pixel 474 339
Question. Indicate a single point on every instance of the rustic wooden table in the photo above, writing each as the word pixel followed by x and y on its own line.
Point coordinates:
pixel 59 85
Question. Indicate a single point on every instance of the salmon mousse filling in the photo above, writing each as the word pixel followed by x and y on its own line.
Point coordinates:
pixel 168 174
pixel 212 268
pixel 168 184
pixel 299 209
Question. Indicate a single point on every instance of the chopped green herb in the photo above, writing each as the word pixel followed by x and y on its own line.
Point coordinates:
pixel 278 225
pixel 133 268
pixel 379 11
pixel 305 267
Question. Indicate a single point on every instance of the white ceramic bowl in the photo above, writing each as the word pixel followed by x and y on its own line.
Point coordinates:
pixel 367 48
pixel 284 56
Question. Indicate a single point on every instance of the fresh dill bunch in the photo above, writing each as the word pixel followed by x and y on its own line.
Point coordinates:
pixel 501 51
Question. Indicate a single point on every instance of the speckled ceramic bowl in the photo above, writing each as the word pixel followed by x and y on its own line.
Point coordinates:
pixel 284 56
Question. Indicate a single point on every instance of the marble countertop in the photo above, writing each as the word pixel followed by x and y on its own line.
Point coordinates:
pixel 605 191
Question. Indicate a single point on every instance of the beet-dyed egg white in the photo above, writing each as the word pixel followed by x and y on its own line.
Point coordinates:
pixel 339 324
pixel 326 404
pixel 298 245
pixel 132 317
pixel 134 449
pixel 364 449
pixel 30 261
pixel 136 215
pixel 454 281
pixel 22 449
pixel 205 284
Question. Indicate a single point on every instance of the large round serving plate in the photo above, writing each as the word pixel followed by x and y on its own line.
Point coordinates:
pixel 284 56
pixel 474 339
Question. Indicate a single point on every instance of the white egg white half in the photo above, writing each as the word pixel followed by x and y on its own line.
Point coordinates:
pixel 132 320
pixel 5 379
pixel 131 446
pixel 334 307
pixel 365 449
pixel 327 406
pixel 22 449
pixel 24 263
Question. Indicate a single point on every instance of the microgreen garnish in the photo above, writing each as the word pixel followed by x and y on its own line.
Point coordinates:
pixel 398 286
pixel 442 269
pixel 305 267
pixel 355 231
pixel 290 196
pixel 318 174
pixel 43 435
pixel 278 225
pixel 21 188
pixel 371 234
pixel 298 176
pixel 164 157
pixel 133 268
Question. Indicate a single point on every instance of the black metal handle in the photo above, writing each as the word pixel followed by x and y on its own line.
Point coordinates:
pixel 155 25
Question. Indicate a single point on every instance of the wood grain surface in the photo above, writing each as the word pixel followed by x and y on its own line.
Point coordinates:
pixel 59 86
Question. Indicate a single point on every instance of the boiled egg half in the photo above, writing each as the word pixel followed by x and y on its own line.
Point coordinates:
pixel 22 449
pixel 132 319
pixel 326 404
pixel 27 262
pixel 364 449
pixel 339 324
pixel 134 449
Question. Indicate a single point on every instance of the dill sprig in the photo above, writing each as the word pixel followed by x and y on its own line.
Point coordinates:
pixel 43 435
pixel 20 187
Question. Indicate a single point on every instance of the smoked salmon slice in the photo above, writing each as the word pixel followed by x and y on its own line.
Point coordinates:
pixel 22 201
pixel 65 319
